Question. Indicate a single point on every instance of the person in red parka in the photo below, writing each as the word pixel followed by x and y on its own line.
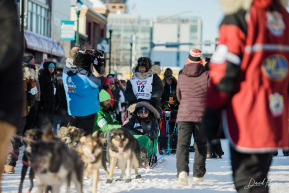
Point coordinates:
pixel 191 92
pixel 106 87
pixel 249 87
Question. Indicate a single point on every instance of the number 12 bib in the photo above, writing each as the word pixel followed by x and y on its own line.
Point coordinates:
pixel 142 89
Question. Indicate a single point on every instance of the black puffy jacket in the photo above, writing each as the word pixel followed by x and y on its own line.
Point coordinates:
pixel 48 99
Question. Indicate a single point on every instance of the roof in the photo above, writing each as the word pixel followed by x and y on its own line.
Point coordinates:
pixel 98 4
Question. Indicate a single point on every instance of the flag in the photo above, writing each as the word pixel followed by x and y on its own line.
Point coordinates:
pixel 132 7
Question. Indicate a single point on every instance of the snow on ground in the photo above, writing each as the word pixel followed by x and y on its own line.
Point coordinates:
pixel 163 178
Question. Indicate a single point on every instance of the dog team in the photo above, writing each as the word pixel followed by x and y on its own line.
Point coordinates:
pixel 72 156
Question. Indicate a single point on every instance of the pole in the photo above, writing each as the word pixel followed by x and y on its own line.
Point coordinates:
pixel 178 51
pixel 131 60
pixel 77 29
pixel 22 24
pixel 110 32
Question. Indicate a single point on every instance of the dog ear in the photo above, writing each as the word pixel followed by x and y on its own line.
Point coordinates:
pixel 102 140
pixel 82 139
pixel 95 134
pixel 49 134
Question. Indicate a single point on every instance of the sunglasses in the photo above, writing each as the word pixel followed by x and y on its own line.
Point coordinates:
pixel 143 112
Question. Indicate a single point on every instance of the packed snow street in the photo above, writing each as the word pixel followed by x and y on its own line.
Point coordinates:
pixel 163 178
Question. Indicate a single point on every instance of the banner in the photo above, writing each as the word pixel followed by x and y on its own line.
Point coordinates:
pixel 67 30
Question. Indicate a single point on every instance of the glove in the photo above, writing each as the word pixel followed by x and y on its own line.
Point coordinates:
pixel 139 130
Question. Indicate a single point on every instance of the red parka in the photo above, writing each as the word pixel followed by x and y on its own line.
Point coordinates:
pixel 249 73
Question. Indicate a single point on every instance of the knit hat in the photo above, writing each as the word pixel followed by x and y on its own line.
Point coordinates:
pixel 51 65
pixel 144 61
pixel 103 96
pixel 27 59
pixel 195 56
pixel 106 81
pixel 168 73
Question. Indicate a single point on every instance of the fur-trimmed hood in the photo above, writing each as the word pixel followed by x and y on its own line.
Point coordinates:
pixel 232 6
pixel 132 108
pixel 155 69
pixel 174 81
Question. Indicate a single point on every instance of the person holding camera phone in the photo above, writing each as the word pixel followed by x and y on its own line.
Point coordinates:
pixel 82 79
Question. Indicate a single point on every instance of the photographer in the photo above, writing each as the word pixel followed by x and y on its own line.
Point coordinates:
pixel 82 79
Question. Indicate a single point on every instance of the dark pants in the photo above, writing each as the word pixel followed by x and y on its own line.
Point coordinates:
pixel 185 131
pixel 215 148
pixel 248 168
pixel 31 117
pixel 86 123
pixel 46 118
pixel 15 144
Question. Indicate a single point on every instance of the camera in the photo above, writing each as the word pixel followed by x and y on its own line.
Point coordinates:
pixel 83 58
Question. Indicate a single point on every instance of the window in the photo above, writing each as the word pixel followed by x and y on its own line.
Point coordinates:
pixel 38 19
pixel 113 7
pixel 120 7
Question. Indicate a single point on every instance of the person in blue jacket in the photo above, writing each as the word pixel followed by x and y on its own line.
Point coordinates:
pixel 82 88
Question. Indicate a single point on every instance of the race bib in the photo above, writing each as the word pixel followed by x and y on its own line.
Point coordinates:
pixel 142 89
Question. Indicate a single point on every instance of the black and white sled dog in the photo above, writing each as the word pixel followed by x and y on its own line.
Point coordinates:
pixel 125 150
pixel 30 137
pixel 55 163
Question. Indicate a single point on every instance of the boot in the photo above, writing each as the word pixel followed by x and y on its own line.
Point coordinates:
pixel 6 131
pixel 197 180
pixel 183 179
pixel 9 169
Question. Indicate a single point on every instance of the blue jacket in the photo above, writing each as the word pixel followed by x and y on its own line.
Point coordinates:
pixel 82 90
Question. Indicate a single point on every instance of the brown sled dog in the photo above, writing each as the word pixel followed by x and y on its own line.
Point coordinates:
pixel 70 135
pixel 91 152
pixel 125 150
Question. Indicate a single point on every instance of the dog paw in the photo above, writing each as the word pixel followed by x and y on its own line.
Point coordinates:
pixel 128 180
pixel 138 176
pixel 109 181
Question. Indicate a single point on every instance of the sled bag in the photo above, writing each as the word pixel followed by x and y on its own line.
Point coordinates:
pixel 163 141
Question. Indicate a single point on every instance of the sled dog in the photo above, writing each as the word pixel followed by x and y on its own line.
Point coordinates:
pixel 70 135
pixel 91 152
pixel 125 150
pixel 30 137
pixel 55 163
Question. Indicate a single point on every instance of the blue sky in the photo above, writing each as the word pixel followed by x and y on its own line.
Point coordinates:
pixel 209 10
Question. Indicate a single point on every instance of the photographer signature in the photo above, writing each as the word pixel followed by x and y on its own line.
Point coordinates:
pixel 253 183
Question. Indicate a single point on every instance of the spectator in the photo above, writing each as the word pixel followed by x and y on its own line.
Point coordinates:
pixel 169 98
pixel 194 77
pixel 104 120
pixel 49 98
pixel 106 87
pixel 61 115
pixel 249 88
pixel 30 94
pixel 32 116
pixel 82 87
pixel 117 95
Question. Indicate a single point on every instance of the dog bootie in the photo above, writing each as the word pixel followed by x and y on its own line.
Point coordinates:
pixel 197 180
pixel 137 176
pixel 9 169
pixel 183 179
pixel 119 179
pixel 109 180
pixel 128 180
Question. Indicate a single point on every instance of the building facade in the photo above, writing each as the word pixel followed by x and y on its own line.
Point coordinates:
pixel 127 29
pixel 175 30
pixel 115 5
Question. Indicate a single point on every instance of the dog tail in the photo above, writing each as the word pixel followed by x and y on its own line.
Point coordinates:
pixel 48 134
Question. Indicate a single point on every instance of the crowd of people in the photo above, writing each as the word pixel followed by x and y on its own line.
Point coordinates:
pixel 244 87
